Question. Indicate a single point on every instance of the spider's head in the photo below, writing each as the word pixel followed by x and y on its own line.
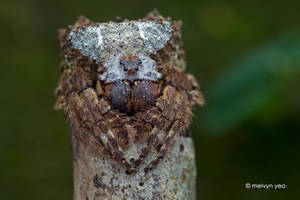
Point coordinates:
pixel 132 57
pixel 131 82
pixel 130 68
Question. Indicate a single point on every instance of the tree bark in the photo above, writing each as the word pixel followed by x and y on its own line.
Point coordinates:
pixel 96 177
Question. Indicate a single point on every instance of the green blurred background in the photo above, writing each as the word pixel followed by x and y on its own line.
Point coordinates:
pixel 245 55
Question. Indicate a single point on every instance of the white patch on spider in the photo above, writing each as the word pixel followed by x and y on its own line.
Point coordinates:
pixel 88 41
pixel 114 72
pixel 154 35
pixel 111 134
pixel 148 69
pixel 107 42
pixel 148 36
pixel 100 42
pixel 104 138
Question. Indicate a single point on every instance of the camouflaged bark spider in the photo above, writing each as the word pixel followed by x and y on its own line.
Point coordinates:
pixel 123 85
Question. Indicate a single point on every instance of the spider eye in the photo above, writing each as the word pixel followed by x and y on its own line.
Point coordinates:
pixel 122 63
pixel 128 65
pixel 138 62
pixel 125 65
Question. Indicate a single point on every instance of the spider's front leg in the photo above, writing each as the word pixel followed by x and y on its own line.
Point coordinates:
pixel 86 112
pixel 164 146
pixel 175 105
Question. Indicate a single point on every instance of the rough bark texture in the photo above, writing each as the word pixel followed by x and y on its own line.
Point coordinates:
pixel 97 178
pixel 129 104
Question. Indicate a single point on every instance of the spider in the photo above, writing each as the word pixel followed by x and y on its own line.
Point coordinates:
pixel 124 87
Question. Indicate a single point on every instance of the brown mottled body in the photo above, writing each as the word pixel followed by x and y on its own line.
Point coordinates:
pixel 132 121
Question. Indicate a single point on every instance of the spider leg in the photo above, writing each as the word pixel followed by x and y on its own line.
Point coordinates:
pixel 161 123
pixel 84 111
pixel 168 141
pixel 174 104
pixel 152 139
